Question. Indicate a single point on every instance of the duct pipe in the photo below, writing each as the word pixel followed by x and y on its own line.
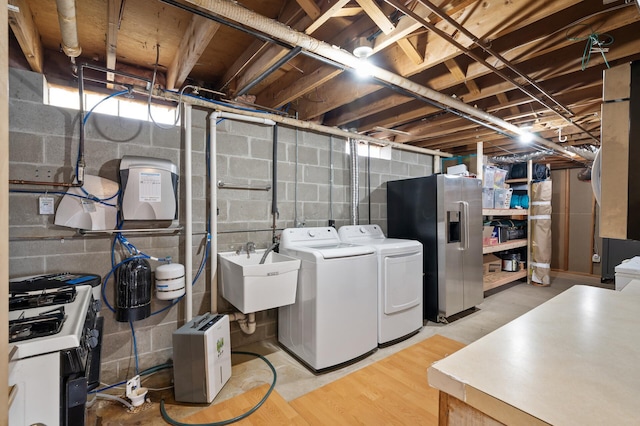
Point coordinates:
pixel 237 13
pixel 68 27
pixel 355 182
pixel 188 229
pixel 246 322
pixel 213 209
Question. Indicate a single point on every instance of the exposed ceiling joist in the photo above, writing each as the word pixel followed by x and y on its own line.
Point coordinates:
pixel 327 14
pixel 27 34
pixel 454 67
pixel 195 40
pixel 310 8
pixel 372 9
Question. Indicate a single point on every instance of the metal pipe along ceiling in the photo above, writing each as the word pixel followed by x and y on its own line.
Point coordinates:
pixel 236 13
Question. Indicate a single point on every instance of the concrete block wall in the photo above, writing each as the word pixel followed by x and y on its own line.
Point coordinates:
pixel 43 146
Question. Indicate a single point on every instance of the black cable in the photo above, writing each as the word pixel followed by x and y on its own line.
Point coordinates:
pixel 169 420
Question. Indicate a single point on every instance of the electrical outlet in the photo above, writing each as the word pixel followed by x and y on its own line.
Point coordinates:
pixel 595 258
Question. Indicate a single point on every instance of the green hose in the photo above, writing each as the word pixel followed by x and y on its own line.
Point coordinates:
pixel 169 420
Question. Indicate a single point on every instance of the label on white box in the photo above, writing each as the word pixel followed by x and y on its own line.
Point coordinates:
pixel 46 205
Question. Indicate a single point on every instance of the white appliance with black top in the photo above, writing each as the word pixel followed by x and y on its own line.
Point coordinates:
pixel 55 335
pixel 333 320
pixel 399 281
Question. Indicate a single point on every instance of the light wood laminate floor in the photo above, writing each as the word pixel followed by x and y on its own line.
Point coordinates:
pixel 500 306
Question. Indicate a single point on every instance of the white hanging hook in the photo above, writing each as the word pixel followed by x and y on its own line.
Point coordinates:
pixel 560 138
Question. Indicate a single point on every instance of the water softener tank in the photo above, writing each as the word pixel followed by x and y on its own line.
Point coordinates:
pixel 133 290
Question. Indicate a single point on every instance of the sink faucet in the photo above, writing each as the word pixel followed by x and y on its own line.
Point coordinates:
pixel 248 248
pixel 251 248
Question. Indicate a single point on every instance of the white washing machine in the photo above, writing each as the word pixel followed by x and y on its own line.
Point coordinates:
pixel 399 281
pixel 333 320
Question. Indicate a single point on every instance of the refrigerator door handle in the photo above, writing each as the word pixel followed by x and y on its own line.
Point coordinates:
pixel 465 225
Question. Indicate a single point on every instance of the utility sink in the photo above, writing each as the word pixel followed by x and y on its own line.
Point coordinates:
pixel 253 287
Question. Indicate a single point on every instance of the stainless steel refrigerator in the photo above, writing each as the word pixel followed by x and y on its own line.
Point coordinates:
pixel 444 213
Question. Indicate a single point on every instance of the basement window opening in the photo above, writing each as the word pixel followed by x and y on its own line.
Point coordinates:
pixel 119 106
pixel 372 150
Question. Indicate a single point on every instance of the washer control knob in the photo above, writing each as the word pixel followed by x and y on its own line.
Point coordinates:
pixel 362 230
pixel 312 234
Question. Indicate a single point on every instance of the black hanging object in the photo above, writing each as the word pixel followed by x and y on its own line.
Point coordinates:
pixel 133 290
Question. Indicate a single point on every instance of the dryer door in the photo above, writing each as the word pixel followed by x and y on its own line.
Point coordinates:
pixel 402 286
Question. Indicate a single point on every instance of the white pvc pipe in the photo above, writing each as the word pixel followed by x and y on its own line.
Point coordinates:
pixel 247 323
pixel 247 118
pixel 188 241
pixel 213 209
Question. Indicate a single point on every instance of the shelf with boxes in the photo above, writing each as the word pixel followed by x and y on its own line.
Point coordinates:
pixel 505 231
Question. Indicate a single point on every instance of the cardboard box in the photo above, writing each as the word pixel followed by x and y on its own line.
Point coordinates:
pixel 490 236
pixel 491 263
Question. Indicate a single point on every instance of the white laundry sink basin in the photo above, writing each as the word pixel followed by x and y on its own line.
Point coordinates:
pixel 252 287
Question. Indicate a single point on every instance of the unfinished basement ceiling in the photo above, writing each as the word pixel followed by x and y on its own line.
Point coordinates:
pixel 535 63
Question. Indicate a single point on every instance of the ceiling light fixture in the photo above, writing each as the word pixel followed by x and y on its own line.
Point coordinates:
pixel 363 48
pixel 525 134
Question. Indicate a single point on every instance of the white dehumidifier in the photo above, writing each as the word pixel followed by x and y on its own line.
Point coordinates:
pixel 201 358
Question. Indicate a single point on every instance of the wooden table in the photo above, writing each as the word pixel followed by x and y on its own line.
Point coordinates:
pixel 573 360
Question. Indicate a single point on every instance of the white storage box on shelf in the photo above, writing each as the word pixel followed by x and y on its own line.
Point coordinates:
pixel 627 271
pixel 252 287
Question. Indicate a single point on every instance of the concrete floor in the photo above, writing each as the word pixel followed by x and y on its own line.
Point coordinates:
pixel 500 306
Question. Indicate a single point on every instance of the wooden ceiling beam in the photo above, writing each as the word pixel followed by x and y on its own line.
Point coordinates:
pixel 327 13
pixel 439 50
pixel 347 12
pixel 458 73
pixel 504 100
pixel 26 32
pixel 310 8
pixel 292 15
pixel 194 42
pixel 560 59
pixel 411 51
pixel 376 14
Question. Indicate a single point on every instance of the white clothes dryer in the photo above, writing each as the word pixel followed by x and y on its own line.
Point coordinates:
pixel 399 281
pixel 333 320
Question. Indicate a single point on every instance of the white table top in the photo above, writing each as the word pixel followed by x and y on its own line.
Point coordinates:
pixel 572 360
pixel 632 287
